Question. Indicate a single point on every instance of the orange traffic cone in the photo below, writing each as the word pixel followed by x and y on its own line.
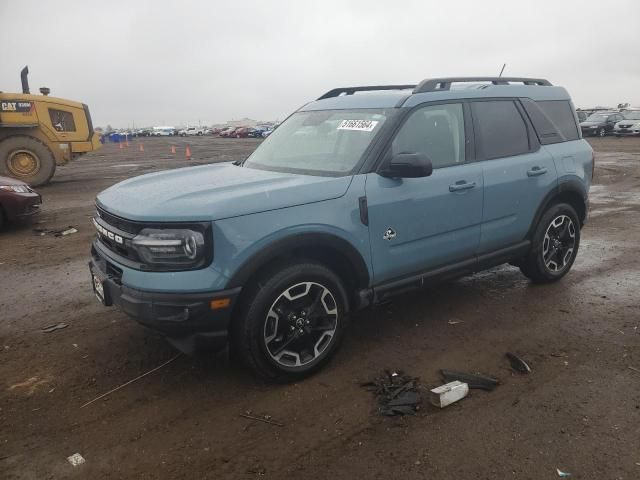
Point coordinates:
pixel 187 153
pixel 121 146
pixel 141 148
pixel 173 149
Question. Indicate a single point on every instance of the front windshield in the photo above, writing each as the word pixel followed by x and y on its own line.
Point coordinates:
pixel 596 117
pixel 632 116
pixel 327 142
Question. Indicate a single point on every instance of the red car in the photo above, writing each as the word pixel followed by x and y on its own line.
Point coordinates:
pixel 242 132
pixel 228 132
pixel 17 200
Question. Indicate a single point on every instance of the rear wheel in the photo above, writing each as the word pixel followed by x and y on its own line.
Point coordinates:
pixel 602 132
pixel 554 245
pixel 292 322
pixel 27 159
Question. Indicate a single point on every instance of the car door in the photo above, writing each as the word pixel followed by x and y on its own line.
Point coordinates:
pixel 420 224
pixel 517 172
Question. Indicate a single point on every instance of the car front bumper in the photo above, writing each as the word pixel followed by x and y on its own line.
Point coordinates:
pixel 627 132
pixel 20 205
pixel 188 320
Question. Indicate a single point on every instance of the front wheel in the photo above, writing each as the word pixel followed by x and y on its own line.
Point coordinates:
pixel 292 322
pixel 602 132
pixel 27 159
pixel 554 246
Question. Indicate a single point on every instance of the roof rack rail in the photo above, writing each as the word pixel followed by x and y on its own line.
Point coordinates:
pixel 351 90
pixel 436 84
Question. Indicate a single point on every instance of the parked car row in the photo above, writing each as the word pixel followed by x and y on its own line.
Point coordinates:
pixel 245 132
pixel 619 124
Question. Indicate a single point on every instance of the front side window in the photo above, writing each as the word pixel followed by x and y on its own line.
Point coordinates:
pixel 326 142
pixel 62 121
pixel 437 131
pixel 501 129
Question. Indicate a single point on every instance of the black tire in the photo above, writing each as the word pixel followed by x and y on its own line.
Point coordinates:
pixel 251 324
pixel 2 219
pixel 542 264
pixel 45 162
pixel 602 132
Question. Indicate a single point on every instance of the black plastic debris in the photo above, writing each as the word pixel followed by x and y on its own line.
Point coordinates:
pixel 480 382
pixel 397 393
pixel 518 364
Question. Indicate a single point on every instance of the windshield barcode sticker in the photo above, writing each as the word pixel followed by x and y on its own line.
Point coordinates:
pixel 360 125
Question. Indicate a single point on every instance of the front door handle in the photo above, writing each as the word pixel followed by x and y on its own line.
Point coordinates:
pixel 461 185
pixel 536 171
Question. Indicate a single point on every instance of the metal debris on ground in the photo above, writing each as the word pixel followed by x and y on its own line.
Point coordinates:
pixel 397 393
pixel 517 363
pixel 54 327
pixel 450 393
pixel 76 459
pixel 59 232
pixel 131 381
pixel 480 382
pixel 264 418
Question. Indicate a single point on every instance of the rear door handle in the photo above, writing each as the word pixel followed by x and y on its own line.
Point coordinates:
pixel 461 185
pixel 536 171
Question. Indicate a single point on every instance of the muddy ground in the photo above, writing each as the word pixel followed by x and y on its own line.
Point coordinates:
pixel 578 411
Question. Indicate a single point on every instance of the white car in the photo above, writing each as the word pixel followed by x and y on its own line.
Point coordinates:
pixel 629 126
pixel 191 131
pixel 162 131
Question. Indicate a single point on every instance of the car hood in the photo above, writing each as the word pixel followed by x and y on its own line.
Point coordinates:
pixel 213 192
pixel 10 181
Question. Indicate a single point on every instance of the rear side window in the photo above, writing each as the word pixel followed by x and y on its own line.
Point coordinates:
pixel 62 121
pixel 501 129
pixel 560 113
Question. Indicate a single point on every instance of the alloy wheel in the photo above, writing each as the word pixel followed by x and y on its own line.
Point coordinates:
pixel 558 245
pixel 301 324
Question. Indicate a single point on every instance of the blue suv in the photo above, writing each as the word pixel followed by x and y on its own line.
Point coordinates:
pixel 359 195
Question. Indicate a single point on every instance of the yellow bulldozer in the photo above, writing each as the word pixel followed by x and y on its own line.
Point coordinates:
pixel 38 132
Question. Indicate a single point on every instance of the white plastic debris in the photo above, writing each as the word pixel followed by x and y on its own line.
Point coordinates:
pixel 449 393
pixel 562 474
pixel 69 231
pixel 76 459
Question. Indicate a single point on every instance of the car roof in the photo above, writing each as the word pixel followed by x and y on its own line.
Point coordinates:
pixel 389 96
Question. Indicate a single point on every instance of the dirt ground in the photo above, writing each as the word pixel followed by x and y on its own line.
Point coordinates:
pixel 579 410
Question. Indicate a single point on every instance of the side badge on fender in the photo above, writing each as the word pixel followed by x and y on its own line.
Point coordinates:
pixel 389 234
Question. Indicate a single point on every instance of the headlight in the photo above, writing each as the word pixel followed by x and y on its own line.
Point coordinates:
pixel 15 188
pixel 171 248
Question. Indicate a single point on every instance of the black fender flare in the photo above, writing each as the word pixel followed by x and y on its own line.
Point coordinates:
pixel 571 187
pixel 298 244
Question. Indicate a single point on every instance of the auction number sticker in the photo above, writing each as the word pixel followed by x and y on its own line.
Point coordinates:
pixel 359 125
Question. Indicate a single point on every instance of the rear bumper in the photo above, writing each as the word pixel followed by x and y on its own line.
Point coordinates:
pixel 186 319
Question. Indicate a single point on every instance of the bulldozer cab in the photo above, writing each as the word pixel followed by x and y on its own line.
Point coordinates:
pixel 38 132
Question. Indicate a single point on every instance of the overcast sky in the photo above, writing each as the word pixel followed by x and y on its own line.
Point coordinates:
pixel 179 62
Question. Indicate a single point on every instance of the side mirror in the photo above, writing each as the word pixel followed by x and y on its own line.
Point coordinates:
pixel 408 165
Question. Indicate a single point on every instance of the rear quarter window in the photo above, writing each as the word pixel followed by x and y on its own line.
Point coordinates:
pixel 553 120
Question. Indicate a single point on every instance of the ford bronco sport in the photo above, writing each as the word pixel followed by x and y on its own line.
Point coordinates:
pixel 363 193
